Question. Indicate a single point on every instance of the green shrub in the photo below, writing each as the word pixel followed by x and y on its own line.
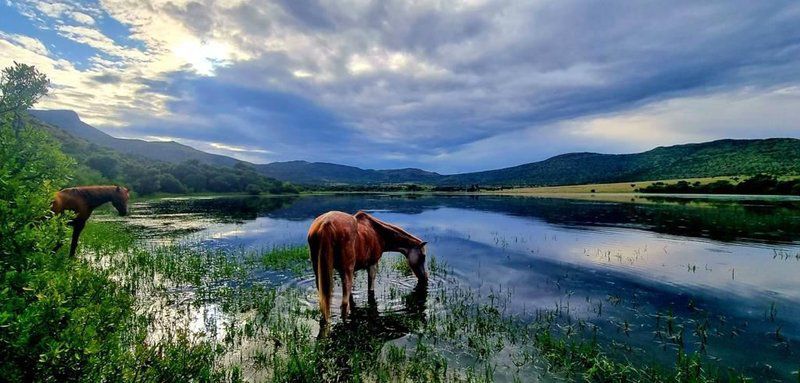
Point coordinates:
pixel 60 318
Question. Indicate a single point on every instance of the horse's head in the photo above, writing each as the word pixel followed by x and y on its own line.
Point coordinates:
pixel 416 260
pixel 120 200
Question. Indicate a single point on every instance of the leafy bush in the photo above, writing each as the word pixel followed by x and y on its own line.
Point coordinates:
pixel 60 318
pixel 57 314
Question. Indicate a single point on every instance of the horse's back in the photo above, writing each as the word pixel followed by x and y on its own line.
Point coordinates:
pixel 336 224
pixel 330 235
pixel 65 199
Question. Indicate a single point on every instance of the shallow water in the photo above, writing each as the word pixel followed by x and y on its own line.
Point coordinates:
pixel 725 270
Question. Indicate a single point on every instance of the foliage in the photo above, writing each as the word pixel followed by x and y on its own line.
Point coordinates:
pixel 60 318
pixel 21 85
pixel 764 184
pixel 57 315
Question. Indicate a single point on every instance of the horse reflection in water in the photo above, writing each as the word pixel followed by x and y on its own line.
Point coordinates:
pixel 365 332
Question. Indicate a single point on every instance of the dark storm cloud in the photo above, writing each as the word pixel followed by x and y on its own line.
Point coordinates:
pixel 199 14
pixel 107 78
pixel 216 112
pixel 309 13
pixel 415 83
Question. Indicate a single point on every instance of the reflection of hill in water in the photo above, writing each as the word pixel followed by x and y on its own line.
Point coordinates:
pixel 222 209
pixel 747 221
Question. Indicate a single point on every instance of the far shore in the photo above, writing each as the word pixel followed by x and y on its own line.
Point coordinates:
pixel 611 192
pixel 616 187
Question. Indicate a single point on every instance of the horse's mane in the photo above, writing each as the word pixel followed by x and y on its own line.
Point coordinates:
pixel 388 227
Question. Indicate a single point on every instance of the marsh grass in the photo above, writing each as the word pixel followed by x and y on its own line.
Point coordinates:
pixel 292 258
pixel 399 264
pixel 263 332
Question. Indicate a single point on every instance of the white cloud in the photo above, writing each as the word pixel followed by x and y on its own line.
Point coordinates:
pixel 96 39
pixel 204 57
pixel 744 113
pixel 82 18
pixel 237 149
pixel 748 113
pixel 25 42
pixel 53 9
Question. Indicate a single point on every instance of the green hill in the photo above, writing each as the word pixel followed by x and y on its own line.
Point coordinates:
pixel 170 151
pixel 304 172
pixel 98 164
pixel 778 156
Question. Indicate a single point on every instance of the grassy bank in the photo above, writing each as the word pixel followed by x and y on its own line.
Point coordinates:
pixel 632 187
pixel 617 187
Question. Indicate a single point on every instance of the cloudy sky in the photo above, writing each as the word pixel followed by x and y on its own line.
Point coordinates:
pixel 448 86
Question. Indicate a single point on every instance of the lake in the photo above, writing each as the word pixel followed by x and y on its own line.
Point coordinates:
pixel 650 274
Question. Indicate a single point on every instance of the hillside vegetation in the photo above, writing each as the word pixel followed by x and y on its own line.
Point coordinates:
pixel 169 151
pixel 99 164
pixel 761 184
pixel 776 156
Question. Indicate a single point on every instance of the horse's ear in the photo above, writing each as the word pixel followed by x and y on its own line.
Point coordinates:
pixel 118 188
pixel 422 244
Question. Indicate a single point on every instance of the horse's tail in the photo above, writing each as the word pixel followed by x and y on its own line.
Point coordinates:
pixel 322 247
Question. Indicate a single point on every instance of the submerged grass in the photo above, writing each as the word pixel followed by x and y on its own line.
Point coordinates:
pixel 261 332
pixel 293 258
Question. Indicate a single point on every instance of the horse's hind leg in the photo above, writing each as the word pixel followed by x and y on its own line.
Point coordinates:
pixel 321 259
pixel 347 290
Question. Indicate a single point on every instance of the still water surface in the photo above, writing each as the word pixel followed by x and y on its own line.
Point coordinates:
pixel 727 269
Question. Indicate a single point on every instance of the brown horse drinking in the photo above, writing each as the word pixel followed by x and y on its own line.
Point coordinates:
pixel 83 200
pixel 354 242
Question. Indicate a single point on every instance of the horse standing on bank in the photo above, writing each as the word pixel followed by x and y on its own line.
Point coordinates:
pixel 348 243
pixel 83 200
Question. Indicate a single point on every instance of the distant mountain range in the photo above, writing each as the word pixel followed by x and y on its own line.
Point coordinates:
pixel 303 172
pixel 780 156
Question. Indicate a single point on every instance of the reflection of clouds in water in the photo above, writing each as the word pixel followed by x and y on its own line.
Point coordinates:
pixel 261 233
pixel 495 247
pixel 233 233
pixel 494 239
pixel 180 310
pixel 210 320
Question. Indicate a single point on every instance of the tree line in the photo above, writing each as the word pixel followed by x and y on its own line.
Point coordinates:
pixel 758 184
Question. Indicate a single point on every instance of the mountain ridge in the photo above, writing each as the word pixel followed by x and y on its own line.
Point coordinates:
pixel 167 151
pixel 724 157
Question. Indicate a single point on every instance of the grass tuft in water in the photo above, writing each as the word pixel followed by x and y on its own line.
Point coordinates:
pixel 293 258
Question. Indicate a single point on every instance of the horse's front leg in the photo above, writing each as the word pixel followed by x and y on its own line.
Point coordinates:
pixel 77 227
pixel 372 271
